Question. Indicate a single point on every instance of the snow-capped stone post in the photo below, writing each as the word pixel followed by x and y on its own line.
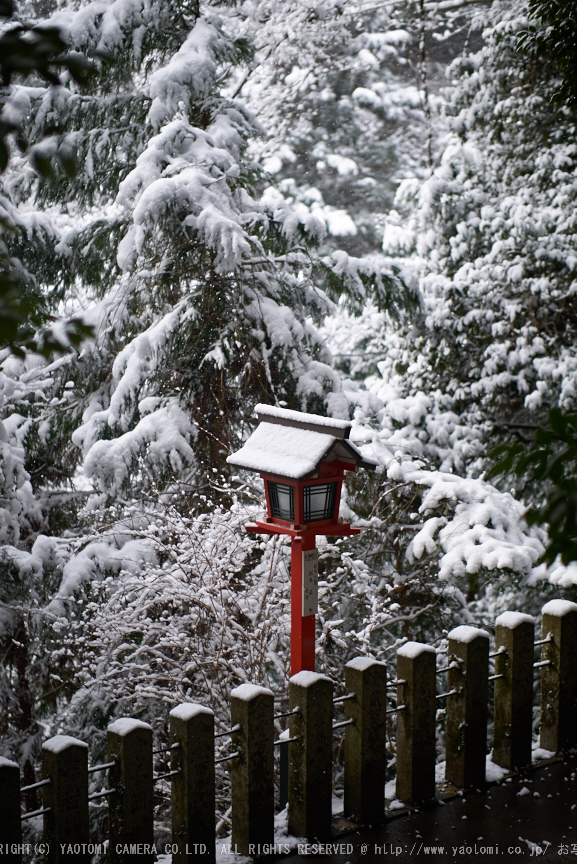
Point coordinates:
pixel 10 824
pixel 252 771
pixel 302 459
pixel 514 646
pixel 416 722
pixel 192 790
pixel 65 764
pixel 130 814
pixel 559 675
pixel 310 756
pixel 365 740
pixel 468 679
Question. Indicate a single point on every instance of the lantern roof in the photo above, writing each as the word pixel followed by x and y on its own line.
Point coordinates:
pixel 293 445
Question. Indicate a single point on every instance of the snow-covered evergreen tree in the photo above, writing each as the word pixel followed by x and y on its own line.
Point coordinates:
pixel 334 88
pixel 203 288
pixel 493 235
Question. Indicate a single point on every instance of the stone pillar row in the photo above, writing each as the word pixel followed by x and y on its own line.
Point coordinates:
pixel 128 780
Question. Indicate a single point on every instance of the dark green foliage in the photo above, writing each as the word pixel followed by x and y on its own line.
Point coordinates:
pixel 389 288
pixel 27 50
pixel 557 39
pixel 548 462
pixel 40 51
pixel 25 321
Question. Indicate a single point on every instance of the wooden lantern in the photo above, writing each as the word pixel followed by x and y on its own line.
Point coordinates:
pixel 302 459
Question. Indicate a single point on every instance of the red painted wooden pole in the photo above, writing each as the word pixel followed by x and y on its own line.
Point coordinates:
pixel 302 627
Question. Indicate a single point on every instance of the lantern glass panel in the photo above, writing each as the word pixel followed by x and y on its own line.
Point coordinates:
pixel 282 501
pixel 319 502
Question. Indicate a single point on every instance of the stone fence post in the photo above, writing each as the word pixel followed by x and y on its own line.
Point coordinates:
pixel 10 824
pixel 192 789
pixel 310 756
pixel 252 771
pixel 513 723
pixel 365 740
pixel 130 814
pixel 416 740
pixel 559 676
pixel 65 764
pixel 468 676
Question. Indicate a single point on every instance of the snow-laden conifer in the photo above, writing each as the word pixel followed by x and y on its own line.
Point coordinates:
pixel 203 288
pixel 336 89
pixel 492 232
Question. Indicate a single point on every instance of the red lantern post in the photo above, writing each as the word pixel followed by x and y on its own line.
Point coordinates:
pixel 302 625
pixel 303 464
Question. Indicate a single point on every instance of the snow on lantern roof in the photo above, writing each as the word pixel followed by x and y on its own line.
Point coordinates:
pixel 292 444
pixel 300 420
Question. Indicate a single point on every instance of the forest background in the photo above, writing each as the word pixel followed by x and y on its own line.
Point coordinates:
pixel 365 210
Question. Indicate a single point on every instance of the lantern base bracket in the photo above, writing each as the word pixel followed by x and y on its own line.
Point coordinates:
pixel 342 529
